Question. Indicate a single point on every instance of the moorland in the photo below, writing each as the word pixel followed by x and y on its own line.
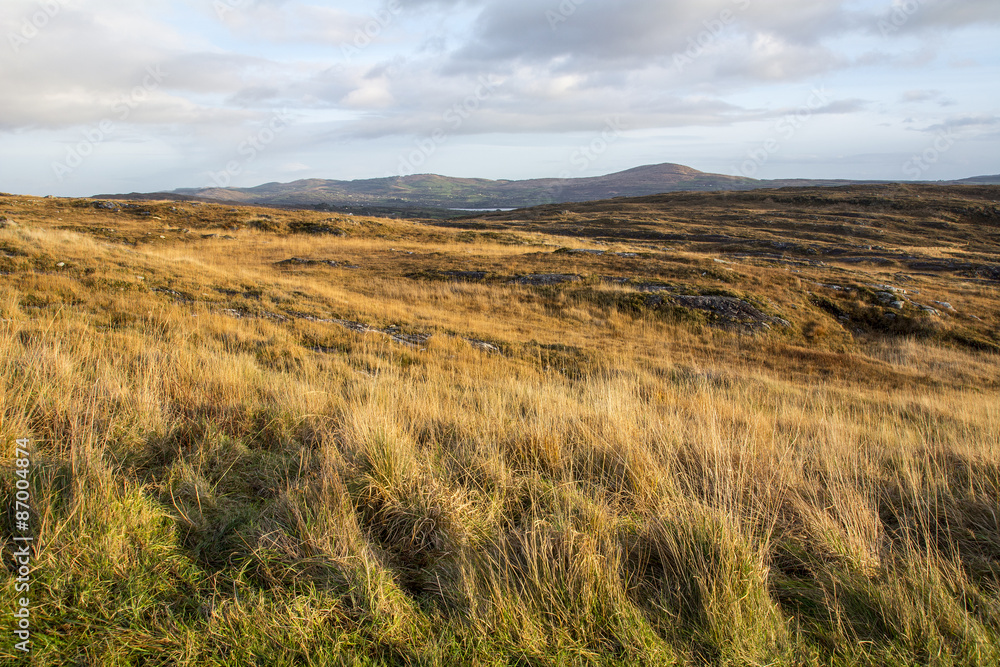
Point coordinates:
pixel 727 428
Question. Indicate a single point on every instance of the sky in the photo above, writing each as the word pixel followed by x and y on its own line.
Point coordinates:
pixel 117 96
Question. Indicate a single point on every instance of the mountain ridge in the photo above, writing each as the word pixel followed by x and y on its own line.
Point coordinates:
pixel 434 191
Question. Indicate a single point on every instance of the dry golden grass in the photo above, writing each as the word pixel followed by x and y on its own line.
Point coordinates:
pixel 226 474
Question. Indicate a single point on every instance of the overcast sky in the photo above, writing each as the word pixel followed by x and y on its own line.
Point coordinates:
pixel 104 96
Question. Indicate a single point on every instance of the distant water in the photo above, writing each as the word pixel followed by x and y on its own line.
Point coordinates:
pixel 482 210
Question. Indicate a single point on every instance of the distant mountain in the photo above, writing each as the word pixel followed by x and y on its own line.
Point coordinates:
pixel 981 180
pixel 429 191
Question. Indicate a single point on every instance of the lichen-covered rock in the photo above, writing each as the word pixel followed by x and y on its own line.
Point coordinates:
pixel 546 279
pixel 730 311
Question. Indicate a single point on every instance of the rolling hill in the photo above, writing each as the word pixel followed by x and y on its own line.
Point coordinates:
pixel 431 191
pixel 688 429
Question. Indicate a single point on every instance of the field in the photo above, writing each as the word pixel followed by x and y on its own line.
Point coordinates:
pixel 756 428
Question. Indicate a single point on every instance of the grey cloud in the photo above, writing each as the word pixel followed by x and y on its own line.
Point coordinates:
pixel 157 87
pixel 562 70
pixel 294 22
pixel 641 29
pixel 842 107
pixel 515 108
pixel 253 96
pixel 918 15
pixel 767 58
pixel 973 122
pixel 920 96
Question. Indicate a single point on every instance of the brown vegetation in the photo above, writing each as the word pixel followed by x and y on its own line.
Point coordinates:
pixel 747 429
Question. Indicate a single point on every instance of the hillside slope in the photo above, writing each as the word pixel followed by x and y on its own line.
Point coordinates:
pixel 431 195
pixel 691 429
pixel 430 190
pixel 446 192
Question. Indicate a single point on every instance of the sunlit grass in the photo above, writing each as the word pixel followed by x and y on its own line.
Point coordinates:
pixel 609 486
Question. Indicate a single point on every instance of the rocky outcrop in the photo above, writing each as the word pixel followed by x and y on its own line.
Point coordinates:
pixel 731 312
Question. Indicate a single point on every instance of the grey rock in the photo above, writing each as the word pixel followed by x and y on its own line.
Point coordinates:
pixel 537 279
pixel 483 345
pixel 299 261
pixel 731 311
pixel 466 275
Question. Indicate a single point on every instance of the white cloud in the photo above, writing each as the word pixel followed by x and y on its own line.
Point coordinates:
pixel 414 64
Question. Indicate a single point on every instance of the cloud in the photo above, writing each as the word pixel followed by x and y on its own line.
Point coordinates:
pixel 293 167
pixel 914 96
pixel 911 97
pixel 634 33
pixel 767 57
pixel 842 107
pixel 559 58
pixel 297 22
pixel 389 70
pixel 974 123
pixel 943 14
